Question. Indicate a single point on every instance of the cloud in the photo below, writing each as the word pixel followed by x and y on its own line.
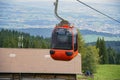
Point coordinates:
pixel 100 1
pixel 42 0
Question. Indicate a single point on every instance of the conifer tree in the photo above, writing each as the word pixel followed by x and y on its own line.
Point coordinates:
pixel 89 55
pixel 111 55
pixel 81 43
pixel 100 44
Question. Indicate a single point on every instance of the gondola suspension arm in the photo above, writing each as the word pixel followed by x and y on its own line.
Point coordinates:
pixel 56 8
pixel 63 21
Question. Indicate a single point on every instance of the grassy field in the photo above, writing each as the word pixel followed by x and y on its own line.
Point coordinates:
pixel 106 72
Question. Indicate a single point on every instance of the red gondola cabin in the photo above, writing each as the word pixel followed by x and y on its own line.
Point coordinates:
pixel 64 45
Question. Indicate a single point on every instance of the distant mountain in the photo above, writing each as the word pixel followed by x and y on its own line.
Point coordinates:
pixel 88 35
pixel 86 32
pixel 113 44
pixel 46 32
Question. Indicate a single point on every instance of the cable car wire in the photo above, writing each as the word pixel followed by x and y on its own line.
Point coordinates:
pixel 98 11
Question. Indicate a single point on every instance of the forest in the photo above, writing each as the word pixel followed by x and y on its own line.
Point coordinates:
pixel 98 53
pixel 15 39
pixel 107 53
pixel 110 49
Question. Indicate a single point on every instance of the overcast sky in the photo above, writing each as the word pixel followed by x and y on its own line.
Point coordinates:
pixel 72 0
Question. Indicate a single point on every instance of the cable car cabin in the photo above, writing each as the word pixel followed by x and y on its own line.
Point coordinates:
pixel 64 44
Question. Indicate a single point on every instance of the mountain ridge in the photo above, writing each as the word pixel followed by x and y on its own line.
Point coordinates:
pixel 46 32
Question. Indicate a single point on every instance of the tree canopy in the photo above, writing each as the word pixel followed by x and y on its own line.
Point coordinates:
pixel 89 55
pixel 12 39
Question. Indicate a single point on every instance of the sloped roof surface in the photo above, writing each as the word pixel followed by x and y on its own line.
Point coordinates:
pixel 15 60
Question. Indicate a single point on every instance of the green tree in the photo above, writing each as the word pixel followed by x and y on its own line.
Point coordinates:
pixel 101 45
pixel 98 43
pixel 90 59
pixel 104 52
pixel 111 55
pixel 9 39
pixel 81 43
pixel 89 55
pixel 118 58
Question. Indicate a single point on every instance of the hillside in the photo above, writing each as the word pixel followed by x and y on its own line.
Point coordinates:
pixel 15 39
pixel 113 44
pixel 108 72
pixel 88 35
pixel 104 72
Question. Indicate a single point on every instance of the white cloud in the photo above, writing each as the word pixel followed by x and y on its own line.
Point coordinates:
pixel 96 1
pixel 100 1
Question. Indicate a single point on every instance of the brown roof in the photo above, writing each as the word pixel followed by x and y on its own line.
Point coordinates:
pixel 16 60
